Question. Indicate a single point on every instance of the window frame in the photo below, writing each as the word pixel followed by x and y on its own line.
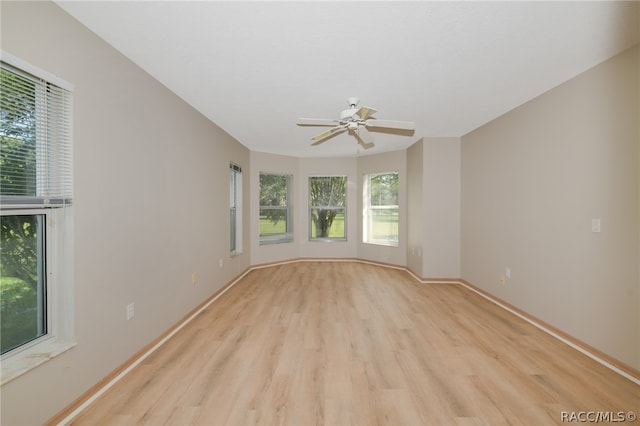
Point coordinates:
pixel 342 208
pixel 50 241
pixel 46 244
pixel 287 236
pixel 235 208
pixel 57 212
pixel 368 209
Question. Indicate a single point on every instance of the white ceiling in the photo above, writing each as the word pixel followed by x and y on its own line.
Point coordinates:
pixel 253 68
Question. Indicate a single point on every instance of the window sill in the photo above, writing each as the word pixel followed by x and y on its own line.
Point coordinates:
pixel 382 243
pixel 26 360
pixel 280 241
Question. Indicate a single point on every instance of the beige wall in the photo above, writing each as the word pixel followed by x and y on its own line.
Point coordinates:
pixel 533 180
pixel 149 171
pixel 415 239
pixel 638 122
pixel 519 192
pixel 441 208
pixel 433 245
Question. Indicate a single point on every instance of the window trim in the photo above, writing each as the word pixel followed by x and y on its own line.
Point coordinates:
pixel 367 209
pixel 60 335
pixel 47 242
pixel 58 218
pixel 287 236
pixel 343 208
pixel 28 68
pixel 235 208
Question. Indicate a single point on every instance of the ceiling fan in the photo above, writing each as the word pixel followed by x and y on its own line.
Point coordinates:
pixel 356 120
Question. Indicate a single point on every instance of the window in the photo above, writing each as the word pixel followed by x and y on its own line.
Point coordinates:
pixel 380 215
pixel 276 220
pixel 235 207
pixel 327 208
pixel 23 283
pixel 35 220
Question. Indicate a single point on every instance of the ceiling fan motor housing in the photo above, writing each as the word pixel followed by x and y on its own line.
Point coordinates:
pixel 350 113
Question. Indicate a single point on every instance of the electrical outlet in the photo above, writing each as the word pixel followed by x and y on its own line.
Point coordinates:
pixel 502 280
pixel 130 311
pixel 220 263
pixel 194 278
pixel 507 273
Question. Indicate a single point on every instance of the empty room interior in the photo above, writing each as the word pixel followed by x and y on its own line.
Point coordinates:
pixel 300 213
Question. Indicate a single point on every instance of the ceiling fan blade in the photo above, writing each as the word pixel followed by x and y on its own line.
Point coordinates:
pixel 367 145
pixel 365 137
pixel 317 122
pixel 365 112
pixel 327 134
pixel 391 124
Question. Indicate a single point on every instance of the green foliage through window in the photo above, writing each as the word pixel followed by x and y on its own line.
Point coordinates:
pixel 22 291
pixel 275 208
pixel 17 135
pixel 34 160
pixel 380 218
pixel 327 199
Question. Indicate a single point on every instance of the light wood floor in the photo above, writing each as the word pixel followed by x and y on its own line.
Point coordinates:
pixel 349 343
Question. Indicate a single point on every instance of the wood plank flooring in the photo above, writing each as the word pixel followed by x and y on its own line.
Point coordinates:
pixel 316 343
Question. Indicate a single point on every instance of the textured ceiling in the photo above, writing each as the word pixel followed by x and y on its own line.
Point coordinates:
pixel 253 68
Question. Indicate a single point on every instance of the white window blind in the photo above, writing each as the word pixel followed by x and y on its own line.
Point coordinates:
pixel 35 127
pixel 36 215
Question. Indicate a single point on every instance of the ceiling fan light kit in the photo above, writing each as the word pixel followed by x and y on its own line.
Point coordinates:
pixel 355 120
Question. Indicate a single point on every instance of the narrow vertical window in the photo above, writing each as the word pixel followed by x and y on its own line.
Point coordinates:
pixel 380 215
pixel 235 207
pixel 276 220
pixel 327 208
